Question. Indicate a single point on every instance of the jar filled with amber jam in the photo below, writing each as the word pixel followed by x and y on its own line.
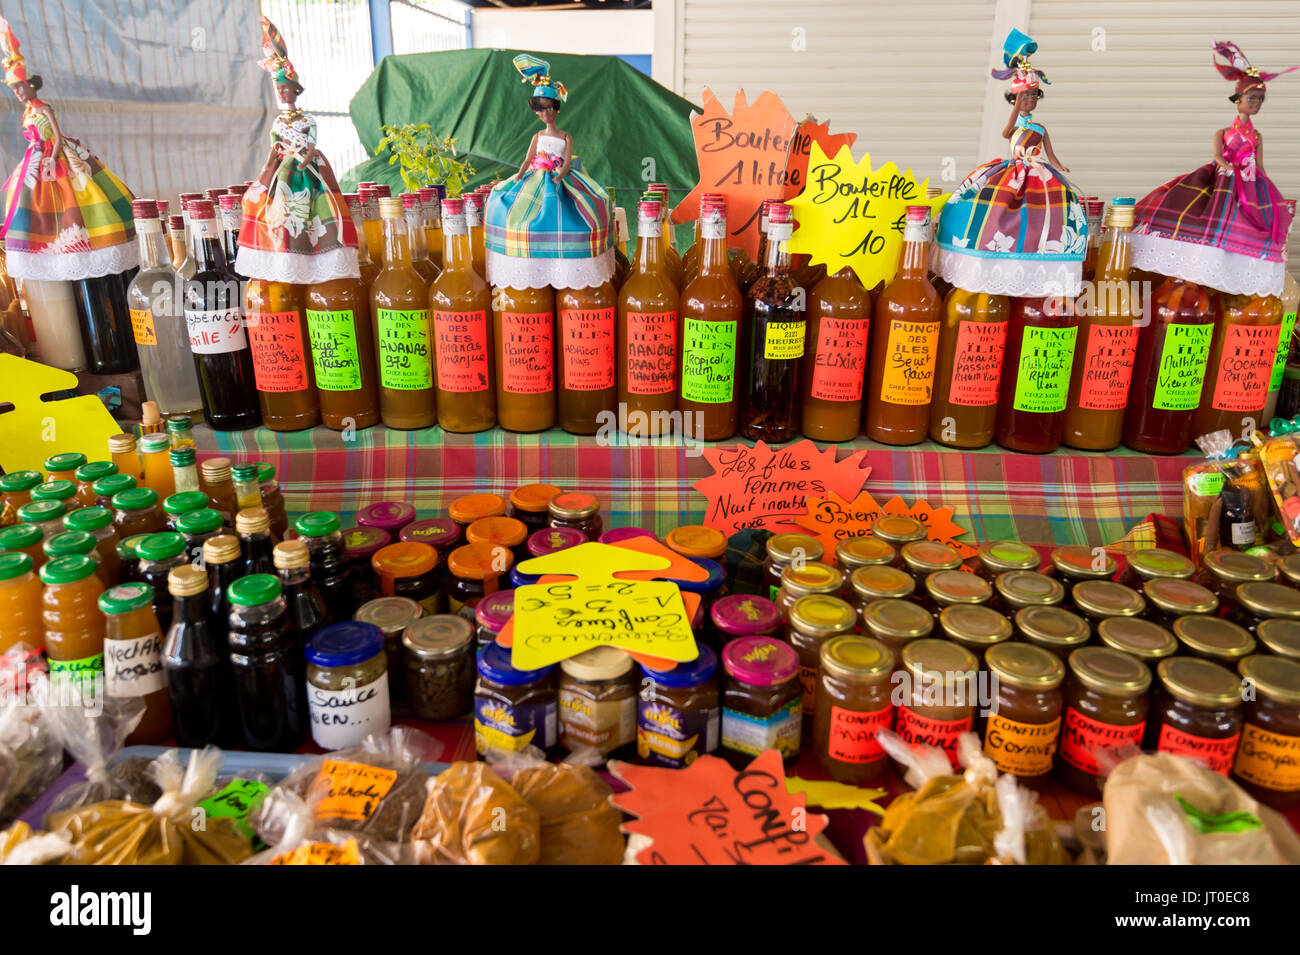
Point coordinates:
pixel 1223 570
pixel 814 620
pixel 1280 637
pixel 576 509
pixel 1104 718
pixel 953 588
pixel 978 629
pixel 1073 564
pixel 813 577
pixel 1155 562
pixel 1262 601
pixel 938 692
pixel 863 552
pixel 1053 629
pixel 1196 712
pixel 1095 600
pixel 897 530
pixel 1267 764
pixel 999 557
pixel 1168 599
pixel 881 583
pixel 1147 641
pixel 1212 638
pixel 1017 589
pixel 1024 723
pixel 922 558
pixel 528 504
pixel 896 623
pixel 1289 568
pixel 784 549
pixel 853 705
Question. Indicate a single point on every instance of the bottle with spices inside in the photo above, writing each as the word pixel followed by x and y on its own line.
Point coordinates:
pixel 439 667
pixel 513 708
pixel 523 327
pixel 1196 712
pixel 711 307
pixel 133 658
pixel 762 700
pixel 342 348
pixel 853 704
pixel 347 685
pixel 462 331
pixel 597 698
pixel 1041 337
pixel 647 333
pixel 904 343
pixel 772 341
pixel 282 365
pixel 195 663
pixel 968 370
pixel 1104 716
pixel 1266 765
pixel 269 671
pixel 399 302
pixel 1024 722
pixel 1240 366
pixel 248 489
pixel 835 358
pixel 938 693
pixel 678 714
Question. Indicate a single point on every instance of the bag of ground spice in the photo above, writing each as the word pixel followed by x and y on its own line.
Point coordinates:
pixel 474 817
pixel 94 736
pixel 289 823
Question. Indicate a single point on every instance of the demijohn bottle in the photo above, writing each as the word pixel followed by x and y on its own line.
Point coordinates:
pixel 972 340
pixel 1041 337
pixel 275 313
pixel 588 339
pixel 711 307
pixel 523 328
pixel 399 301
pixel 647 330
pixel 343 353
pixel 1240 366
pixel 463 356
pixel 835 359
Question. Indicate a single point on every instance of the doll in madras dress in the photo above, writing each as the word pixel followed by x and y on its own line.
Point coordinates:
pixel 296 227
pixel 66 216
pixel 1223 224
pixel 550 223
pixel 1016 226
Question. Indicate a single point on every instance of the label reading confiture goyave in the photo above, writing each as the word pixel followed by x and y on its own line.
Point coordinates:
pixel 334 350
pixel 527 352
pixel 1043 378
pixel 977 364
pixel 708 360
pixel 461 339
pixel 589 335
pixel 279 364
pixel 840 361
pixel 651 352
pixel 1182 367
pixel 1245 365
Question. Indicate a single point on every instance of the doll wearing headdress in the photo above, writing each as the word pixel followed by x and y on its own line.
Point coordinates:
pixel 1016 226
pixel 1223 224
pixel 550 223
pixel 66 216
pixel 296 227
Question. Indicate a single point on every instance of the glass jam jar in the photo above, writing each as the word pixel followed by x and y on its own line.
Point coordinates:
pixel 513 708
pixel 1169 598
pixel 106 487
pixel 439 666
pixel 813 577
pixel 442 534
pixel 1213 638
pixel 1105 715
pixel 528 504
pixel 1257 602
pixel 897 530
pixel 1289 569
pixel 492 614
pixel 975 628
pixel 1052 629
pixel 407 569
pixel 390 516
pixel 1147 641
pixel 136 511
pixel 1017 589
pixel 697 540
pixel 617 534
pixel 392 615
pixel 99 522
pixel 954 588
pixel 813 620
pixel 597 698
pixel 1096 600
pixel 1198 712
pixel 880 583
pixel 361 544
pixel 1223 570
pixel 1268 760
pixel 579 510
pixel 347 684
pixel 500 532
pixel 895 623
pixel 999 557
pixel 87 475
pixel 938 690
pixel 744 615
pixel 1024 724
pixel 467 509
pixel 552 540
pixel 678 714
pixel 922 558
pixel 859 552
pixel 1155 562
pixel 1279 636
pixel 476 571
pixel 1072 564
pixel 782 549
pixel 853 705
pixel 761 700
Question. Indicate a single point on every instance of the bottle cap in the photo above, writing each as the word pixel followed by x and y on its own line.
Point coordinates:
pixel 88 519
pixel 38 512
pixel 15 565
pixel 202 521
pixel 317 524
pixel 69 542
pixel 290 555
pixel 182 502
pixel 760 661
pixel 161 546
pixel 67 570
pixel 110 486
pixel 92 471
pixel 221 549
pixel 391 208
pixel 255 589
pixel 68 461
pixel 54 491
pixel 187 580
pixel 125 598
pixel 441 635
pixel 21 536
pixel 182 457
pixel 16 481
pixel 144 209
pixel 252 520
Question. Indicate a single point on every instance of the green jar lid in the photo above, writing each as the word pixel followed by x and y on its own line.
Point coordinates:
pixel 15 565
pixel 179 422
pixel 129 549
pixel 54 491
pixel 69 542
pixel 136 499
pixel 265 472
pixel 253 590
pixel 88 519
pixel 202 521
pixel 126 597
pixel 20 537
pixel 113 484
pixel 68 461
pixel 317 524
pixel 91 472
pixel 183 502
pixel 161 546
pixel 20 481
pixel 67 570
pixel 244 472
pixel 38 512
pixel 182 457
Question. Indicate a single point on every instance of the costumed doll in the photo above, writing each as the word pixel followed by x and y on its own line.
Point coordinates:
pixel 1016 226
pixel 1223 224
pixel 550 223
pixel 296 225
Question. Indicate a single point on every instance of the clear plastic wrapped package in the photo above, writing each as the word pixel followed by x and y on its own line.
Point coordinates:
pixel 93 736
pixel 31 757
pixel 291 826
pixel 474 817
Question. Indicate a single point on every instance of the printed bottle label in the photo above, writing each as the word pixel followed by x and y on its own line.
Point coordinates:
pixel 603 725
pixel 1215 753
pixel 589 335
pixel 502 728
pixel 1022 749
pixel 1182 367
pixel 1245 366
pixel 1283 350
pixel 922 730
pixel 279 364
pixel 977 364
pixel 651 353
pixel 1268 759
pixel 215 332
pixel 853 734
pixel 1043 378
pixel 840 363
pixel 670 736
pixel 134 667
pixel 463 359
pixel 343 718
pixel 783 341
pixel 334 352
pixel 405 358
pixel 142 326
pixel 1084 739
pixel 1108 367
pixel 909 362
pixel 708 361
pixel 754 734
pixel 527 352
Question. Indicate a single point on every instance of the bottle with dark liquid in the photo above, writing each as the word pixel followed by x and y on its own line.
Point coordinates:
pixel 1041 337
pixel 106 332
pixel 647 324
pixel 196 661
pixel 253 525
pixel 307 609
pixel 343 353
pixel 330 570
pixel 772 341
pixel 222 558
pixel 269 671
pixel 711 307
pixel 231 215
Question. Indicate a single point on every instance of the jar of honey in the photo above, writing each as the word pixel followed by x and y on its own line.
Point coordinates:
pixel 813 577
pixel 1155 562
pixel 1288 568
pixel 1213 638
pixel 897 530
pixel 880 583
pixel 1147 641
pixel 954 588
pixel 999 557
pixel 895 623
pixel 938 688
pixel 16 488
pixel 978 629
pixel 1053 629
pixel 1095 600
pixel 697 540
pixel 576 509
pixel 469 508
pixel 1257 602
pixel 1281 637
pixel 784 549
pixel 814 619
pixel 476 571
pixel 528 503
pixel 1223 570
pixel 859 552
pixel 137 512
pixel 853 704
pixel 761 700
pixel 63 467
pixel 1017 589
pixel 1267 763
pixel 1197 712
pixel 1169 598
pixel 182 502
pixel 1024 723
pixel 1104 718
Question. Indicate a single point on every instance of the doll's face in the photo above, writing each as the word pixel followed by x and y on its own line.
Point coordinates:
pixel 1250 102
pixel 546 114
pixel 287 93
pixel 1026 100
pixel 22 90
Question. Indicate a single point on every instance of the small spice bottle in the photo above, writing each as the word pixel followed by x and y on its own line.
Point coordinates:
pixel 576 509
pixel 1257 602
pixel 1280 637
pixel 1024 723
pixel 185 471
pixel 392 615
pixel 513 708
pixel 1267 764
pixel 361 544
pixel 782 550
pixel 106 487
pixel 1169 598
pixel 1073 564
pixel 390 516
pixel 347 684
pixel 678 713
pixel 761 700
pixel 1213 638
pixel 492 614
pixel 813 577
pixel 954 588
pixel 853 706
pixel 1197 712
pixel 1052 629
pixel 744 615
pixel 813 620
pixel 1223 570
pixel 1017 589
pixel 440 666
pixel 864 552
pixel 407 569
pixel 551 540
pixel 1147 641
pixel 895 623
pixel 697 540
pixel 897 530
pixel 467 509
pixel 1155 562
pixel 500 532
pixel 1095 600
pixel 880 583
pixel 476 571
pixel 922 558
pixel 597 698
pixel 978 629
pixel 999 557
pixel 528 504
pixel 938 693
pixel 1104 718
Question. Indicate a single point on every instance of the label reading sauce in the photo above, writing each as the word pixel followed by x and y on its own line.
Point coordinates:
pixel 1215 753
pixel 462 350
pixel 351 790
pixel 589 335
pixel 1245 366
pixel 977 364
pixel 673 737
pixel 341 718
pixel 279 364
pixel 922 730
pixel 840 362
pixel 1182 367
pixel 215 332
pixel 405 358
pixel 784 340
pixel 527 352
pixel 1043 379
pixel 1022 749
pixel 1279 363
pixel 1108 367
pixel 134 667
pixel 909 362
pixel 1083 739
pixel 753 734
pixel 853 735
pixel 142 327
pixel 651 352
pixel 1269 759
pixel 708 361
pixel 334 352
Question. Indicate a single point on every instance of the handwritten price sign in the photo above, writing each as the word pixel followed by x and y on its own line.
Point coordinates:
pixel 834 518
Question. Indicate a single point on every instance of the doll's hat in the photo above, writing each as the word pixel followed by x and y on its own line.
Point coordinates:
pixel 277 55
pixel 1015 54
pixel 1237 68
pixel 537 71
pixel 15 67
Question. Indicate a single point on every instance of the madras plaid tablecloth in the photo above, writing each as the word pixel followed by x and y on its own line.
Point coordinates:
pixel 1067 497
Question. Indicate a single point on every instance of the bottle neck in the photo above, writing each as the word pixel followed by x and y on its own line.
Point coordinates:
pixel 208 254
pixel 294 576
pixel 363 247
pixel 1114 260
pixel 154 248
pixel 189 609
pixel 649 248
pixel 456 252
pixel 713 256
pixel 397 244
pixel 916 257
pixel 415 228
pixel 777 260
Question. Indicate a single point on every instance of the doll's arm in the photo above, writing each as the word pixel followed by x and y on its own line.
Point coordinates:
pixel 1218 150
pixel 1051 153
pixel 1011 123
pixel 568 158
pixel 57 142
pixel 532 151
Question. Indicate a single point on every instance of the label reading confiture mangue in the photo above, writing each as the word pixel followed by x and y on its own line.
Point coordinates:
pixel 1084 739
pixel 1215 753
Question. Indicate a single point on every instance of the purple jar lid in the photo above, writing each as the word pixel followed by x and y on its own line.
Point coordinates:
pixel 551 539
pixel 760 661
pixel 622 534
pixel 362 542
pixel 391 516
pixel 495 609
pixel 437 532
pixel 744 615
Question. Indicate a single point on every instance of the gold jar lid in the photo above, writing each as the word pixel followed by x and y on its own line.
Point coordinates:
pixel 1236 567
pixel 957 587
pixel 925 557
pixel 898 619
pixel 1143 639
pixel 1028 588
pixel 851 657
pixel 931 658
pixel 1105 598
pixel 598 663
pixel 1280 636
pixel 1053 627
pixel 1275 677
pixel 121 443
pixel 1108 671
pixel 1270 600
pixel 1212 637
pixel 1156 562
pixel 290 555
pixel 1180 596
pixel 1002 556
pixel 438 636
pixel 1088 563
pixel 813 577
pixel 1025 666
pixel 187 580
pixel 783 548
pixel 1200 681
pixel 875 583
pixel 215 470
pixel 252 520
pixel 390 614
pixel 863 552
pixel 1290 568
pixel 897 529
pixel 975 626
pixel 820 615
pixel 221 549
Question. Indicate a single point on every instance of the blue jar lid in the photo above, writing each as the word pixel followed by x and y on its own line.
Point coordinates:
pixel 518 578
pixel 692 673
pixel 717 577
pixel 494 663
pixel 344 644
pixel 1122 201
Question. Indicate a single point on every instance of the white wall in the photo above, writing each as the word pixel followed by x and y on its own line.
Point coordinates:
pixel 609 32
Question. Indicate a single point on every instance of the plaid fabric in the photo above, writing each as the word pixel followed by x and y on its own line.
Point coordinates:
pixel 537 217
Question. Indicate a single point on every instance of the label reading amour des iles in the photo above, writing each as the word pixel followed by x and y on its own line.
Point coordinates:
pixel 1182 367
pixel 142 326
pixel 977 364
pixel 334 352
pixel 405 358
pixel 589 335
pixel 1108 367
pixel 783 341
pixel 462 349
pixel 909 362
pixel 708 361
pixel 134 667
pixel 1283 349
pixel 840 362
pixel 279 364
pixel 1043 380
pixel 215 332
pixel 1245 365
pixel 527 352
pixel 1024 749
pixel 651 352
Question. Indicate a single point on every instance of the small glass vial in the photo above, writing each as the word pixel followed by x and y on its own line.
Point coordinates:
pixel 248 489
pixel 1052 629
pixel 156 464
pixel 253 527
pixel 197 527
pixel 185 472
pixel 440 667
pixel 853 704
pixel 1213 638
pixel 347 685
pixel 180 431
pixel 1024 724
pixel 121 448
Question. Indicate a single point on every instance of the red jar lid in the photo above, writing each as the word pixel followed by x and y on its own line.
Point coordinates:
pixel 391 516
pixel 552 539
pixel 744 615
pixel 760 661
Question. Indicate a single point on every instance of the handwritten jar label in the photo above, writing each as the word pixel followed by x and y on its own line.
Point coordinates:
pixel 603 725
pixel 708 361
pixel 215 332
pixel 853 734
pixel 343 718
pixel 783 341
pixel 1270 760
pixel 134 667
pixel 1043 377
pixel 351 791
pixel 321 853
pixel 279 364
pixel 589 335
pixel 1182 367
pixel 461 342
pixel 334 353
pixel 1083 739
pixel 651 353
pixel 527 352
pixel 509 728
pixel 1214 753
pixel 405 356
pixel 1245 366
pixel 1108 367
pixel 977 364
pixel 1022 749
pixel 673 737
pixel 142 326
pixel 925 731
pixel 840 362
pixel 909 362
pixel 750 734
pixel 81 673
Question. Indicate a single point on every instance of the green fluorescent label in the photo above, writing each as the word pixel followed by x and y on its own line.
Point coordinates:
pixel 1283 349
pixel 405 349
pixel 1182 367
pixel 708 361
pixel 83 671
pixel 1043 381
pixel 235 802
pixel 334 350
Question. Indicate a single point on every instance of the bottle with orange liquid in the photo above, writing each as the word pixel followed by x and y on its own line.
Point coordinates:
pixel 366 253
pixel 461 304
pixel 133 658
pixel 399 300
pixel 20 602
pixel 968 371
pixel 419 241
pixel 835 358
pixel 647 321
pixel 473 206
pixel 431 201
pixel 74 626
pixel 1240 366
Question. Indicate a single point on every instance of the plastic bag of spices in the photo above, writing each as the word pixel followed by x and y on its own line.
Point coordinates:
pixel 93 736
pixel 20 844
pixel 31 758
pixel 474 817
pixel 289 823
